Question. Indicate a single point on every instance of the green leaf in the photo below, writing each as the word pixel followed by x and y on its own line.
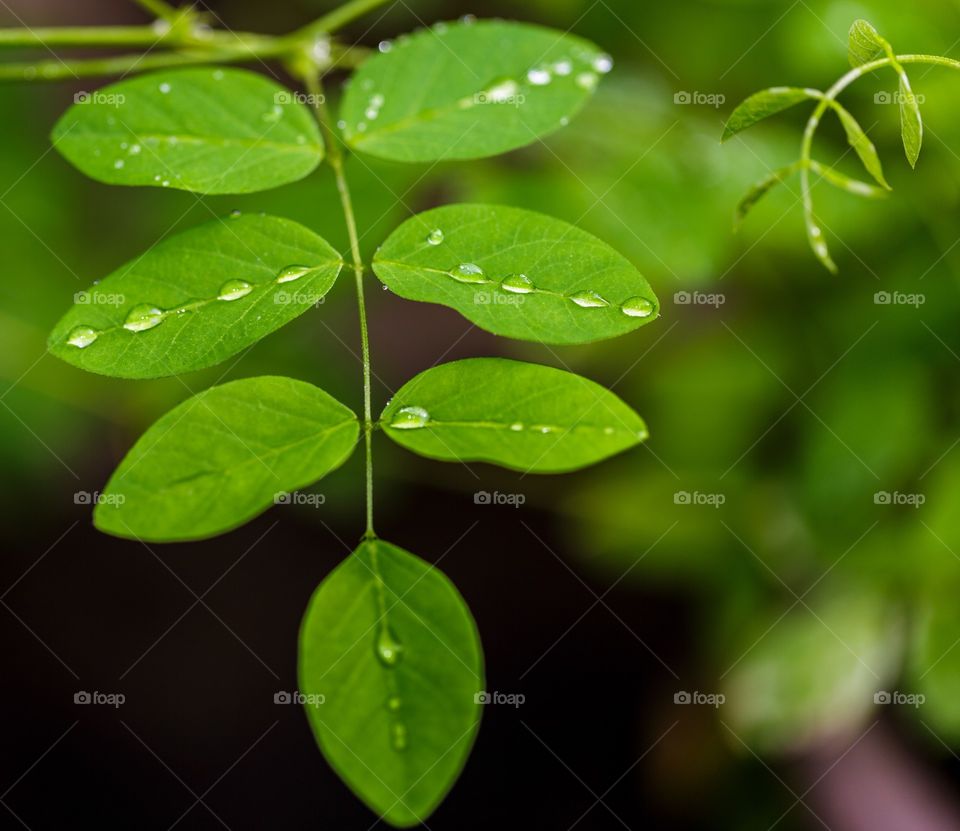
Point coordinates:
pixel 861 144
pixel 865 44
pixel 392 674
pixel 197 298
pixel 763 104
pixel 843 182
pixel 222 457
pixel 911 124
pixel 203 130
pixel 516 273
pixel 761 189
pixel 468 90
pixel 522 416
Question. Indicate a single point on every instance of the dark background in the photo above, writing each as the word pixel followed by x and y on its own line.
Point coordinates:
pixel 600 598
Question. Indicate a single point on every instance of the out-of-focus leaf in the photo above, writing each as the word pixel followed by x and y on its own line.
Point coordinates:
pixel 761 189
pixel 843 182
pixel 763 104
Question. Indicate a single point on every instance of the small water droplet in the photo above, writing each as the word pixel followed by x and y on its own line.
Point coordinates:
pixel 468 19
pixel 603 63
pixel 236 213
pixel 608 431
pixel 291 273
pixel 371 113
pixel 385 46
pixel 234 290
pixel 518 284
pixel 516 426
pixel 587 80
pixel 82 336
pixel 143 317
pixel 440 27
pixel 389 649
pixel 410 418
pixel 588 300
pixel 164 87
pixel 341 124
pixel 135 149
pixel 564 121
pixel 218 75
pixel 637 307
pixel 165 183
pixel 393 703
pixel 539 77
pixel 503 91
pixel 563 67
pixel 118 164
pixel 468 273
pixel 435 237
pixel 398 735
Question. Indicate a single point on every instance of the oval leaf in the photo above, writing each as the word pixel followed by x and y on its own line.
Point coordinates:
pixel 864 44
pixel 389 647
pixel 911 124
pixel 224 456
pixel 763 104
pixel 864 148
pixel 197 298
pixel 516 273
pixel 468 90
pixel 203 130
pixel 526 417
pixel 844 182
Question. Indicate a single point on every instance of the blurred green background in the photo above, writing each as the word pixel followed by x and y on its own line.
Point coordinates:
pixel 788 542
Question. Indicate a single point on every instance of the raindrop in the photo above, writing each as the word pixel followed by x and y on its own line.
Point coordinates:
pixel 588 300
pixel 143 317
pixel 164 88
pixel 563 67
pixel 603 64
pixel 410 418
pixel 389 649
pixel 236 213
pixel 539 77
pixel 435 237
pixel 516 427
pixel 518 284
pixel 218 75
pixel 399 737
pixel 234 290
pixel 393 703
pixel 468 273
pixel 135 149
pixel 118 164
pixel 385 46
pixel 587 80
pixel 82 336
pixel 637 307
pixel 291 273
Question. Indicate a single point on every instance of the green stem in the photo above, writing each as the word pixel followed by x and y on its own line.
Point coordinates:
pixel 336 159
pixel 159 9
pixel 82 36
pixel 338 18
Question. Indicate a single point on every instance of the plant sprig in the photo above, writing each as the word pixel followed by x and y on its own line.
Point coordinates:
pixel 867 52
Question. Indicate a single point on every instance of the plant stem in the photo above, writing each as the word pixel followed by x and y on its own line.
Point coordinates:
pixel 82 36
pixel 338 18
pixel 159 9
pixel 335 157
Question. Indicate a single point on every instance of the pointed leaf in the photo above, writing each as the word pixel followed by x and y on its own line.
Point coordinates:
pixel 390 658
pixel 854 186
pixel 864 148
pixel 468 90
pixel 526 417
pixel 763 104
pixel 761 189
pixel 911 124
pixel 197 298
pixel 516 273
pixel 864 44
pixel 203 130
pixel 224 456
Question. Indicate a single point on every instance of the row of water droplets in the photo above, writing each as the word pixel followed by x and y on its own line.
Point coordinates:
pixel 145 316
pixel 472 274
pixel 415 418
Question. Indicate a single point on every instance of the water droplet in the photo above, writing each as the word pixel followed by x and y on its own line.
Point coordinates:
pixel 564 121
pixel 435 237
pixel 608 431
pixel 637 307
pixel 588 300
pixel 393 703
pixel 518 284
pixel 371 113
pixel 164 87
pixel 603 64
pixel 236 213
pixel 563 67
pixel 218 75
pixel 82 336
pixel 468 19
pixel 409 418
pixel 143 317
pixel 234 290
pixel 539 77
pixel 118 164
pixel 165 183
pixel 389 649
pixel 291 273
pixel 502 92
pixel 398 735
pixel 468 273
pixel 135 149
pixel 385 46
pixel 516 426
pixel 440 27
pixel 341 124
pixel 587 80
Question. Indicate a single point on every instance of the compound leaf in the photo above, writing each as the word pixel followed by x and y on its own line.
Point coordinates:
pixel 197 298
pixel 392 674
pixel 469 90
pixel 202 130
pixel 522 416
pixel 763 104
pixel 516 273
pixel 223 456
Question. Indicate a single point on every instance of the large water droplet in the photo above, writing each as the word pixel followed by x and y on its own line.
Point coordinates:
pixel 398 735
pixel 385 46
pixel 82 336
pixel 291 273
pixel 468 273
pixel 637 307
pixel 539 77
pixel 143 317
pixel 409 418
pixel 435 237
pixel 389 649
pixel 234 290
pixel 518 284
pixel 588 300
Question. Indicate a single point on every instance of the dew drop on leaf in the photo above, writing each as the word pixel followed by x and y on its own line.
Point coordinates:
pixel 588 300
pixel 82 336
pixel 518 284
pixel 393 703
pixel 563 67
pixel 516 426
pixel 637 307
pixel 539 77
pixel 435 237
pixel 603 64
pixel 143 317
pixel 399 737
pixel 468 273
pixel 410 418
pixel 389 650
pixel 385 46
pixel 234 290
pixel 587 80
pixel 292 272
pixel 164 88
